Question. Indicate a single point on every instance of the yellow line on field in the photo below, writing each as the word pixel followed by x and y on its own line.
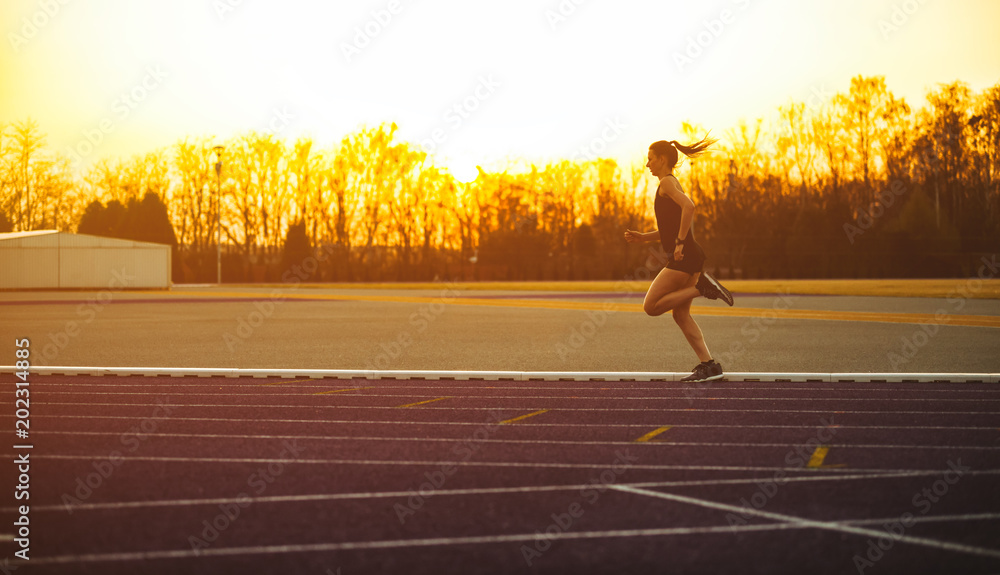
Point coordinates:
pixel 340 390
pixel 937 288
pixel 763 313
pixel 862 316
pixel 423 402
pixel 520 417
pixel 652 434
pixel 523 303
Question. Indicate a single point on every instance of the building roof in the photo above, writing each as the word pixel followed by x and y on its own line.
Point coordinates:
pixel 15 235
pixel 56 238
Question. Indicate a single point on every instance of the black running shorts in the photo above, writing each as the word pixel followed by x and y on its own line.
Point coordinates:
pixel 694 259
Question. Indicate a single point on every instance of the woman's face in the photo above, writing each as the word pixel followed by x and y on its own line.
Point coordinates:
pixel 656 164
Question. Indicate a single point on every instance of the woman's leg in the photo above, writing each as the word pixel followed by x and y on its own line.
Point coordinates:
pixel 670 288
pixel 682 315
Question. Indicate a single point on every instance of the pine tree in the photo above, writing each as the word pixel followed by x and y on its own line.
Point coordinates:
pixel 94 220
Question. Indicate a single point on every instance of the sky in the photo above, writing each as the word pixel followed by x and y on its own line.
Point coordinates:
pixel 472 82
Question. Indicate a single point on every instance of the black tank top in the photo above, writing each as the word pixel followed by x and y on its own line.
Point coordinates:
pixel 668 221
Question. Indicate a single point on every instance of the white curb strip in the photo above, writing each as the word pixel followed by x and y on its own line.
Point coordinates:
pixel 511 375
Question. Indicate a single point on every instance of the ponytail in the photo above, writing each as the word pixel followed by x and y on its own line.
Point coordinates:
pixel 670 149
pixel 696 149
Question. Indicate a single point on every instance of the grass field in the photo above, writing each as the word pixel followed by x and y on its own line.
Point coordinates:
pixel 934 288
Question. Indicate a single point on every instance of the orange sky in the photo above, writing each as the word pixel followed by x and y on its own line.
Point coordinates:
pixel 477 83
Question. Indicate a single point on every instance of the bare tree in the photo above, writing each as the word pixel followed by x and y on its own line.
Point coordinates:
pixel 25 168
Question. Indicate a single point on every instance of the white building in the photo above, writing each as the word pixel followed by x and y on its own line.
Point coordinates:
pixel 51 259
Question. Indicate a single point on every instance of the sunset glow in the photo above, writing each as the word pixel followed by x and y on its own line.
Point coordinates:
pixel 117 78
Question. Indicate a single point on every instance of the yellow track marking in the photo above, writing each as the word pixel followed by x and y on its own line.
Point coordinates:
pixel 938 288
pixel 825 315
pixel 423 402
pixel 652 434
pixel 340 390
pixel 817 457
pixel 816 461
pixel 284 382
pixel 519 418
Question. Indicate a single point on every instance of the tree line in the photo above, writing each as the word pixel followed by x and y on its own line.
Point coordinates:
pixel 861 185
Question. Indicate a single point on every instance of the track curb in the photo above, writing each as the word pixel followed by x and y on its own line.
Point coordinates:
pixel 508 375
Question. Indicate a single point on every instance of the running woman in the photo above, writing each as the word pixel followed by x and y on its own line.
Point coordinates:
pixel 682 280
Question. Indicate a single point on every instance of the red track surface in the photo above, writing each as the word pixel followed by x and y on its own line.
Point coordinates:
pixel 168 475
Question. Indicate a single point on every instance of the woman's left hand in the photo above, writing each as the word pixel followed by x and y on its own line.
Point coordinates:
pixel 678 252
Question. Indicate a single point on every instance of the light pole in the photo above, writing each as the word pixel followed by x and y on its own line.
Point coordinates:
pixel 218 212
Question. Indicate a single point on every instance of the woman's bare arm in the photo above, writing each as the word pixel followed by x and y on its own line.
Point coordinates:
pixel 636 237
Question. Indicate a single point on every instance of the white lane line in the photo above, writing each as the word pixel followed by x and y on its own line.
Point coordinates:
pixel 485 540
pixel 519 397
pixel 810 523
pixel 525 441
pixel 568 409
pixel 927 519
pixel 480 423
pixel 399 543
pixel 511 464
pixel 314 497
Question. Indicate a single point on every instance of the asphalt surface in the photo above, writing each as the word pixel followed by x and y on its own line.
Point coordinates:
pixel 242 475
pixel 446 329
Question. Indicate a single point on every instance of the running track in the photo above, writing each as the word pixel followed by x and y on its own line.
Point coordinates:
pixel 624 476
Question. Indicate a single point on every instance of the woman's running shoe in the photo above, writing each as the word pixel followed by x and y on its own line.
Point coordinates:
pixel 705 371
pixel 712 289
